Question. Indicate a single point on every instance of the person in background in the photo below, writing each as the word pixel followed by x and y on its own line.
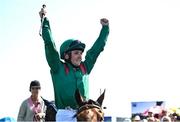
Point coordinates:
pixel 150 119
pixel 165 119
pixel 32 108
pixel 136 119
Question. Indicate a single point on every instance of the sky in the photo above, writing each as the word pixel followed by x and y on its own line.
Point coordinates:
pixel 140 62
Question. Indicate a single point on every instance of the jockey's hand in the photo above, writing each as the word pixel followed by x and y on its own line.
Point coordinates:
pixel 43 12
pixel 104 21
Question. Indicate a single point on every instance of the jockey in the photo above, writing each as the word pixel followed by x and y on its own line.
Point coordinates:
pixel 68 71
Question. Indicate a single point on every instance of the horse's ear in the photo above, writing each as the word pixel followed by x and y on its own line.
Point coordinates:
pixel 79 98
pixel 101 98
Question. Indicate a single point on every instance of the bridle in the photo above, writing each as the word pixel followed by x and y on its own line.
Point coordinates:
pixel 90 104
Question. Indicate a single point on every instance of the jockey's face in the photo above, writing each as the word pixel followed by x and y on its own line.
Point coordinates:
pixel 76 57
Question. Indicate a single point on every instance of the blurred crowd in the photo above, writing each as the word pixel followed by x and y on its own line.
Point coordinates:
pixel 158 115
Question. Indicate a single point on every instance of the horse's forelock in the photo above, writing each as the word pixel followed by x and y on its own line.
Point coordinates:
pixel 90 101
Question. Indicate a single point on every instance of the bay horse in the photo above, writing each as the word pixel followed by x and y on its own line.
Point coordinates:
pixel 89 110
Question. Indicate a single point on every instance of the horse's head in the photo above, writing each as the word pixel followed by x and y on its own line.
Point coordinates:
pixel 89 110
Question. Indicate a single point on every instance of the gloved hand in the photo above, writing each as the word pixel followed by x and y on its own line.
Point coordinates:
pixel 43 11
pixel 104 21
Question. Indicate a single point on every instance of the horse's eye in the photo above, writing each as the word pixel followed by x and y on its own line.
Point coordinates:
pixel 100 111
